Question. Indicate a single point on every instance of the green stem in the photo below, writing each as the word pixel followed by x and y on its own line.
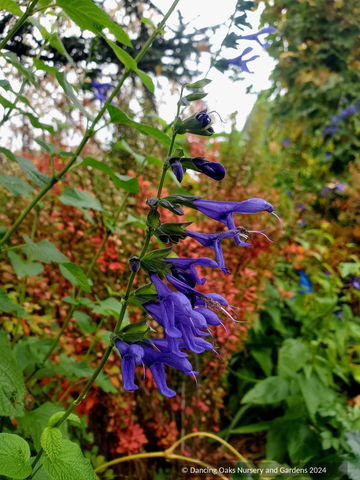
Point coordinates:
pixel 90 130
pixel 29 11
pixel 15 247
pixel 23 289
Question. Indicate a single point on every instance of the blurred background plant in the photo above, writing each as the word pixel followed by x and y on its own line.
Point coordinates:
pixel 286 388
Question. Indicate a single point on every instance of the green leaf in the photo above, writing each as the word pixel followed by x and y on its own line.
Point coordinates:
pixel 16 185
pixel 6 305
pixel 293 355
pixel 84 322
pixel 155 261
pixel 199 84
pixel 79 199
pixel 347 268
pixel 27 166
pixel 51 441
pixel 146 80
pixel 69 464
pixel 5 84
pixel 11 7
pixel 35 122
pixel 129 184
pixel 31 350
pixel 77 275
pixel 56 417
pixel 302 443
pixel 253 428
pixel 138 222
pixel 48 147
pixel 277 439
pixel 14 454
pixel 103 381
pixel 195 96
pixel 23 269
pixel 89 16
pixel 311 389
pixel 44 251
pixel 122 55
pixel 263 357
pixel 72 369
pixel 56 42
pixel 12 387
pixel 117 116
pixel 6 103
pixel 124 146
pixel 68 89
pixel 33 423
pixel 107 307
pixel 270 390
pixel 147 21
pixel 12 58
pixel 40 65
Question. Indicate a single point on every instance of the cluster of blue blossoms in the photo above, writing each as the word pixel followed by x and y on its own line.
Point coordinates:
pixel 344 113
pixel 185 314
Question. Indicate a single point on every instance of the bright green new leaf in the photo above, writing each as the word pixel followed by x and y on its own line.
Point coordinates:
pixel 6 305
pixel 14 454
pixel 33 423
pixel 12 387
pixel 129 184
pixel 56 417
pixel 107 307
pixel 56 42
pixel 44 251
pixel 48 147
pixel 77 275
pixel 147 21
pixel 35 122
pixel 70 464
pixel 117 116
pixel 11 6
pixel 88 16
pixel 122 55
pixel 68 89
pixel 17 186
pixel 146 80
pixel 79 199
pixel 23 269
pixel 271 390
pixel 51 441
pixel 84 322
pixel 6 103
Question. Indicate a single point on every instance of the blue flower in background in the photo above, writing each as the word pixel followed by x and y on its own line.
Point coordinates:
pixel 327 155
pixel 340 187
pixel 345 100
pixel 300 206
pixel 101 90
pixel 286 142
pixel 355 283
pixel 305 283
pixel 302 223
pixel 239 62
pixel 255 36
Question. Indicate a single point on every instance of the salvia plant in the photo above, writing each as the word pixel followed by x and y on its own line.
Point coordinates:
pixel 170 297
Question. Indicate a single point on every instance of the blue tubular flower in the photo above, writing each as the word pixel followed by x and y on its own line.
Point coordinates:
pixel 355 283
pixel 214 170
pixel 184 269
pixel 239 62
pixel 213 241
pixel 305 283
pixel 223 211
pixel 177 168
pixel 132 354
pixel 255 36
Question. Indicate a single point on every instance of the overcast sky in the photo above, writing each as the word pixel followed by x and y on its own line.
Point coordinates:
pixel 224 96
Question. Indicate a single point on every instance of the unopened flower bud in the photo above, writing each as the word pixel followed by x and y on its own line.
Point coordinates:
pixel 134 264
